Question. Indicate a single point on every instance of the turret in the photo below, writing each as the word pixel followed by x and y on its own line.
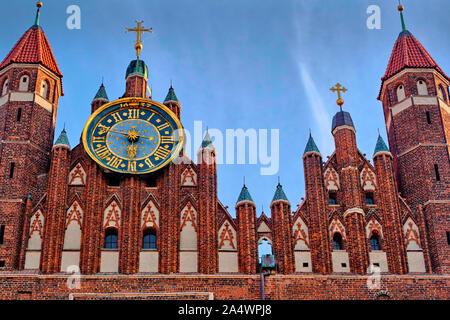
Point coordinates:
pixel 390 208
pixel 55 220
pixel 100 99
pixel 316 209
pixel 246 235
pixel 347 157
pixel 207 215
pixel 282 246
pixel 171 101
pixel 136 80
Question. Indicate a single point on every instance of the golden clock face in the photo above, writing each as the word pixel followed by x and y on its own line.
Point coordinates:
pixel 133 135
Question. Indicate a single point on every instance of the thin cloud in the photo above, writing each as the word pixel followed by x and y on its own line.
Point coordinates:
pixel 320 114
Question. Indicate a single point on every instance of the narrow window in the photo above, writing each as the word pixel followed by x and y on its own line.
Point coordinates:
pixel 2 263
pixel 19 114
pixel 441 93
pixel 448 238
pixel 422 88
pixel 332 198
pixel 428 117
pixel 337 241
pixel 11 170
pixel 369 198
pixel 23 84
pixel 5 87
pixel 400 93
pixel 149 239
pixel 305 264
pixel 45 89
pixel 436 171
pixel 111 238
pixel 375 241
pixel 2 234
pixel 343 265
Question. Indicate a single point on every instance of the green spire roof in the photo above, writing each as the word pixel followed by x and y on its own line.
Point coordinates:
pixel 244 195
pixel 207 142
pixel 381 146
pixel 101 93
pixel 62 139
pixel 279 194
pixel 311 146
pixel 171 96
pixel 137 66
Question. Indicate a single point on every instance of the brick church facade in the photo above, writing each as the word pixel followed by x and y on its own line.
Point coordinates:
pixel 167 235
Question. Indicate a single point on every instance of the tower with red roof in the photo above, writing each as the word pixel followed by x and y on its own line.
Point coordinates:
pixel 31 85
pixel 415 97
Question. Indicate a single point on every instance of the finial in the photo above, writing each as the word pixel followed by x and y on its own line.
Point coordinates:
pixel 379 132
pixel 400 9
pixel 139 30
pixel 278 180
pixel 339 88
pixel 64 128
pixel 39 5
pixel 244 181
pixel 171 83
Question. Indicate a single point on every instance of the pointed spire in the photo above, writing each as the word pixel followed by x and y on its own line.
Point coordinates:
pixel 311 146
pixel 207 141
pixel 62 139
pixel 33 48
pixel 380 146
pixel 244 195
pixel 400 9
pixel 408 52
pixel 101 93
pixel 171 96
pixel 279 194
pixel 38 13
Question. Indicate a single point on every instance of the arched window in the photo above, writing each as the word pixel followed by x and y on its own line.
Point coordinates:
pixel 45 89
pixel 422 88
pixel 5 87
pixel 375 241
pixel 111 238
pixel 441 93
pixel 149 239
pixel 400 93
pixel 24 82
pixel 337 241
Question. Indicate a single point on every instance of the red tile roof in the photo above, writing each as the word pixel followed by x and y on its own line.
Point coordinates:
pixel 33 47
pixel 409 53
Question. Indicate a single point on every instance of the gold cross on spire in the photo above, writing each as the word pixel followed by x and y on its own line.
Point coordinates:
pixel 139 30
pixel 339 88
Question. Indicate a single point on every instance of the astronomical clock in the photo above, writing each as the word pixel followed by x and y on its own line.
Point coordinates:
pixel 133 136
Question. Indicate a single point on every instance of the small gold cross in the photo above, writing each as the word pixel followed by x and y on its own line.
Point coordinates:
pixel 139 30
pixel 339 88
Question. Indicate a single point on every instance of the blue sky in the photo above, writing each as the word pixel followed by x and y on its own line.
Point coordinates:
pixel 238 64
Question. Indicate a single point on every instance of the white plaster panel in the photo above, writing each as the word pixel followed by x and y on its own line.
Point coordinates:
pixel 416 262
pixel 109 261
pixel 188 261
pixel 148 261
pixel 70 258
pixel 228 261
pixel 380 258
pixel 32 259
pixel 301 259
pixel 339 258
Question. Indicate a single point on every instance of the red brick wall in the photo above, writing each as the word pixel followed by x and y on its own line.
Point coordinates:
pixel 277 287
